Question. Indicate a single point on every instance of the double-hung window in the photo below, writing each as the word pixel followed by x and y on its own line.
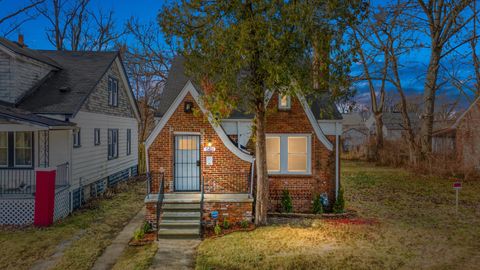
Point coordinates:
pixel 76 138
pixel 112 92
pixel 288 154
pixel 16 149
pixel 23 149
pixel 96 136
pixel 129 141
pixel 112 143
pixel 3 149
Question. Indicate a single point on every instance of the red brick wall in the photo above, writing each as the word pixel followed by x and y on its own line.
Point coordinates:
pixel 302 188
pixel 468 138
pixel 228 173
pixel 234 212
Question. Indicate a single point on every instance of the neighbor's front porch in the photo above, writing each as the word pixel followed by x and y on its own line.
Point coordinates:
pixel 26 148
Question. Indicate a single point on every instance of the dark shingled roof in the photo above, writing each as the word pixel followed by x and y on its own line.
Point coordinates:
pixel 22 115
pixel 80 73
pixel 25 51
pixel 322 108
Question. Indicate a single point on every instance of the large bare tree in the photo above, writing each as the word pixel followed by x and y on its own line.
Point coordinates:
pixel 12 21
pixel 444 20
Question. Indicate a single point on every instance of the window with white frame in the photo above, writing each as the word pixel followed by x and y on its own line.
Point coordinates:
pixel 76 138
pixel 284 102
pixel 112 143
pixel 96 136
pixel 129 141
pixel 3 149
pixel 23 149
pixel 112 92
pixel 288 154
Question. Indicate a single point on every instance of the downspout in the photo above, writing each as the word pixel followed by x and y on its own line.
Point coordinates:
pixel 337 162
pixel 146 157
pixel 251 177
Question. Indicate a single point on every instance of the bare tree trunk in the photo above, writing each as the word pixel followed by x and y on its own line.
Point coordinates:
pixel 378 132
pixel 262 195
pixel 429 102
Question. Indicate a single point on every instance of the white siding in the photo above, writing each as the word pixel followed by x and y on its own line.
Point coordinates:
pixel 90 162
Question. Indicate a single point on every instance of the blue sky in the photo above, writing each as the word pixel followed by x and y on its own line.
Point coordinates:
pixel 147 10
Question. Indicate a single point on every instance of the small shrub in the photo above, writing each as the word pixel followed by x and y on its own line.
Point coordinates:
pixel 287 205
pixel 244 223
pixel 147 227
pixel 217 229
pixel 339 206
pixel 226 224
pixel 317 205
pixel 138 234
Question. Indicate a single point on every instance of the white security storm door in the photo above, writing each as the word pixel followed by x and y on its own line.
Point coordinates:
pixel 187 163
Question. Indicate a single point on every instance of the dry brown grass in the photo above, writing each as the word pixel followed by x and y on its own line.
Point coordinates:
pixel 418 229
pixel 99 223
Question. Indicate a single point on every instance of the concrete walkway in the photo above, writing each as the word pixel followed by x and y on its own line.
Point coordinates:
pixel 118 245
pixel 175 254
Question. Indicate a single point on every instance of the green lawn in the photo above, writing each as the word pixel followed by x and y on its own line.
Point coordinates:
pixel 92 229
pixel 417 228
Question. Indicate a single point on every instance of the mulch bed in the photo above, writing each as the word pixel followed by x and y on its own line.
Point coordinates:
pixel 209 232
pixel 147 239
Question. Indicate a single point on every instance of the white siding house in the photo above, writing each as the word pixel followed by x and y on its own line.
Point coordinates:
pixel 73 112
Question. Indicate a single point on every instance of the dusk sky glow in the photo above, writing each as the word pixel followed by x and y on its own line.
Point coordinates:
pixel 146 10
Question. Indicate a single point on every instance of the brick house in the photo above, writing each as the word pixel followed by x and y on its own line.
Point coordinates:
pixel 71 113
pixel 208 170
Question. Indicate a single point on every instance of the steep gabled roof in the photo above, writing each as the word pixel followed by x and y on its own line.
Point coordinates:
pixel 80 73
pixel 27 52
pixel 322 107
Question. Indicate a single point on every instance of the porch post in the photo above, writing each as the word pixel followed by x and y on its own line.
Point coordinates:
pixel 43 148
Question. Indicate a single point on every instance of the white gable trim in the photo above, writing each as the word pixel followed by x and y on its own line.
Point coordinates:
pixel 465 113
pixel 314 123
pixel 131 98
pixel 189 88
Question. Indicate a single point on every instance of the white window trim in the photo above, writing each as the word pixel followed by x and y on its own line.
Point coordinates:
pixel 289 102
pixel 112 92
pixel 284 154
pixel 110 143
pixel 97 139
pixel 79 141
pixel 15 165
pixel 129 142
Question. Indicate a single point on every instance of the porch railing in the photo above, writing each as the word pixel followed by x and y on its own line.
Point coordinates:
pixel 17 181
pixel 21 181
pixel 161 192
pixel 62 175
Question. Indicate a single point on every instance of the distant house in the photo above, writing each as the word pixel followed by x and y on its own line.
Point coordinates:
pixel 462 138
pixel 355 132
pixel 393 127
pixel 71 113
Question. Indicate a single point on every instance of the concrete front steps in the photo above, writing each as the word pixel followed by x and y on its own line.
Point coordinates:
pixel 180 219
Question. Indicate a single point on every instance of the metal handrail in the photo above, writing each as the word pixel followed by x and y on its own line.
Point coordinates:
pixel 161 192
pixel 201 207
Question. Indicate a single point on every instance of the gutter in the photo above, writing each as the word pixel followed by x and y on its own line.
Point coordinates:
pixel 251 177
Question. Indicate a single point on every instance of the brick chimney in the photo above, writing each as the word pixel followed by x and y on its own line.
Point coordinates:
pixel 20 40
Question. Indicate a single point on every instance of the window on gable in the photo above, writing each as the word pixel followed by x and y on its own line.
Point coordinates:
pixel 112 143
pixel 23 149
pixel 3 149
pixel 76 138
pixel 288 154
pixel 129 141
pixel 112 92
pixel 96 136
pixel 284 102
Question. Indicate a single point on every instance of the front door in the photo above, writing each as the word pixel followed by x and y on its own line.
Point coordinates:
pixel 187 163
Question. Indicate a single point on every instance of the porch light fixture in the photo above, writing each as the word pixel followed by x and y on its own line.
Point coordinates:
pixel 188 107
pixel 209 143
